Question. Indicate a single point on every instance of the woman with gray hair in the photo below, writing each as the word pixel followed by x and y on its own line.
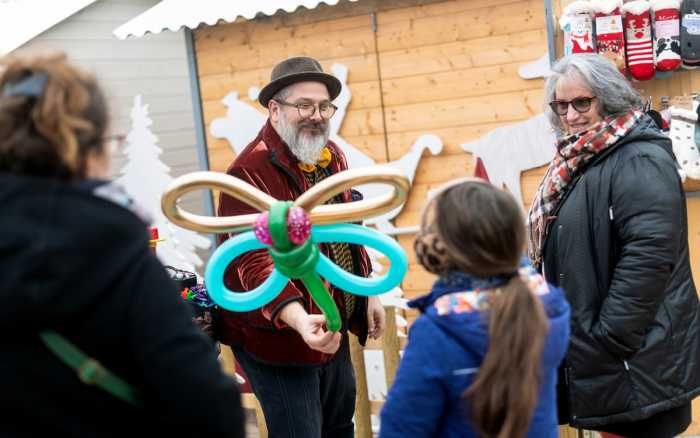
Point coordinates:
pixel 609 225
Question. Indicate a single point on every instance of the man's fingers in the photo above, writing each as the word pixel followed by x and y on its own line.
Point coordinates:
pixel 328 342
pixel 379 332
pixel 319 339
pixel 317 319
pixel 381 324
pixel 333 344
pixel 317 336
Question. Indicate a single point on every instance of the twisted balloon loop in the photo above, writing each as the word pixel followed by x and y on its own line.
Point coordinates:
pixel 285 229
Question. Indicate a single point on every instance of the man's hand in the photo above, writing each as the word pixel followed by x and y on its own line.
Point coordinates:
pixel 310 327
pixel 375 317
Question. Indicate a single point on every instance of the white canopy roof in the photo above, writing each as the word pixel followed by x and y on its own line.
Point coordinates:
pixel 174 14
pixel 22 20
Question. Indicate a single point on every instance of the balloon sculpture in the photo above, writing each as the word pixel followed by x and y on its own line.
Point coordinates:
pixel 291 231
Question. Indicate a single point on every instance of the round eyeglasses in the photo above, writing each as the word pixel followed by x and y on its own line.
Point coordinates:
pixel 580 104
pixel 307 109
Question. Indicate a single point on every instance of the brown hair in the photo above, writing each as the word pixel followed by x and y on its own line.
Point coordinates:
pixel 50 135
pixel 483 231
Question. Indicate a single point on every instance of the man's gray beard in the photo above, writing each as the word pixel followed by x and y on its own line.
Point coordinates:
pixel 306 147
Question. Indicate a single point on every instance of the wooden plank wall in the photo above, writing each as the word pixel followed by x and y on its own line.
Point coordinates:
pixel 457 83
pixel 445 67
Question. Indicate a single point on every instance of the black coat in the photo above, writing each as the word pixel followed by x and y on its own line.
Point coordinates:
pixel 81 265
pixel 619 249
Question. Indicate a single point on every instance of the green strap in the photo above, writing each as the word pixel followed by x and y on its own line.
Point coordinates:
pixel 300 263
pixel 89 370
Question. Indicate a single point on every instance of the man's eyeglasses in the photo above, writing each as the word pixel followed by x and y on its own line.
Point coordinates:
pixel 307 109
pixel 580 104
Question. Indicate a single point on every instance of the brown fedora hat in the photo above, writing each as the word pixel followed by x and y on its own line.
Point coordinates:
pixel 298 69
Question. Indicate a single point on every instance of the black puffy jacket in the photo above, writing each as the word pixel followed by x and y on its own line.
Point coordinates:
pixel 80 265
pixel 619 249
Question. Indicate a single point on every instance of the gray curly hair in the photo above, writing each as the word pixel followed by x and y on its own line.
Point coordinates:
pixel 614 93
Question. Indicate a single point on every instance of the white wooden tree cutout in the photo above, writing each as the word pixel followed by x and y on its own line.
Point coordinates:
pixel 243 122
pixel 145 177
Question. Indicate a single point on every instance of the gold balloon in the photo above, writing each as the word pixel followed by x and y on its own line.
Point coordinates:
pixel 312 200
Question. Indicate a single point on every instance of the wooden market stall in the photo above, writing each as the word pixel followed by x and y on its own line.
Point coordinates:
pixel 406 79
pixel 448 68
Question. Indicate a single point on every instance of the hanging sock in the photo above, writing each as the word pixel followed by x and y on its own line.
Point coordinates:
pixel 690 33
pixel 577 24
pixel 667 41
pixel 639 45
pixel 610 41
pixel 682 135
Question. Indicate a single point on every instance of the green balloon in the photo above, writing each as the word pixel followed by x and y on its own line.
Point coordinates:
pixel 300 263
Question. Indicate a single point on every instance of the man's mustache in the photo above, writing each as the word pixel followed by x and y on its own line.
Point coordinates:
pixel 321 126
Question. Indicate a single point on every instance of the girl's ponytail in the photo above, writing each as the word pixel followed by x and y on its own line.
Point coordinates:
pixel 503 396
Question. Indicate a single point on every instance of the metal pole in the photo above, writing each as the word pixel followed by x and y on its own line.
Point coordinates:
pixel 199 128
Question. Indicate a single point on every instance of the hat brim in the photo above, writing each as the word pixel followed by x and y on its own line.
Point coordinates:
pixel 330 81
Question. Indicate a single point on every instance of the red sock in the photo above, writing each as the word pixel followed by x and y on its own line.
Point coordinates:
pixel 577 24
pixel 640 50
pixel 610 41
pixel 667 41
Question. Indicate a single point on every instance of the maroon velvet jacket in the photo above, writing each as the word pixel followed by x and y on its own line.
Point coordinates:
pixel 267 164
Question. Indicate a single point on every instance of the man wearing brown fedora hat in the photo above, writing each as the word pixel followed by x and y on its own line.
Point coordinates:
pixel 300 372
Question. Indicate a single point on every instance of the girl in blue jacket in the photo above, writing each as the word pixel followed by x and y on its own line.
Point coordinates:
pixel 481 360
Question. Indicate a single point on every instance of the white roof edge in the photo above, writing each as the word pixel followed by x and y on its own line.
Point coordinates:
pixel 20 22
pixel 173 15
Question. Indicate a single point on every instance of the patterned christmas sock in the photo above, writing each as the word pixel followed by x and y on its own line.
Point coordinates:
pixel 577 24
pixel 683 139
pixel 690 33
pixel 667 42
pixel 610 41
pixel 639 46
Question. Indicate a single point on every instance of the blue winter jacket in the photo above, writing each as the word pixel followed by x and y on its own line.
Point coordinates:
pixel 446 346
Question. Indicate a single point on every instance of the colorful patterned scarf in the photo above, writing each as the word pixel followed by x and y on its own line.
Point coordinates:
pixel 573 154
pixel 340 251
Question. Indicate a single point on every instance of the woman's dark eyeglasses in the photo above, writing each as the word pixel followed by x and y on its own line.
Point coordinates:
pixel 580 104
pixel 307 109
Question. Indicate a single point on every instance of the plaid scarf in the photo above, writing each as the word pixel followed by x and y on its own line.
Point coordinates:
pixel 573 154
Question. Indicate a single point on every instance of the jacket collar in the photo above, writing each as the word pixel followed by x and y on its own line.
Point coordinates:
pixel 455 281
pixel 281 156
pixel 277 147
pixel 646 127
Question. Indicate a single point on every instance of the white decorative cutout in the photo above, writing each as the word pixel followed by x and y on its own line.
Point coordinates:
pixel 509 150
pixel 536 69
pixel 145 178
pixel 376 375
pixel 243 122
